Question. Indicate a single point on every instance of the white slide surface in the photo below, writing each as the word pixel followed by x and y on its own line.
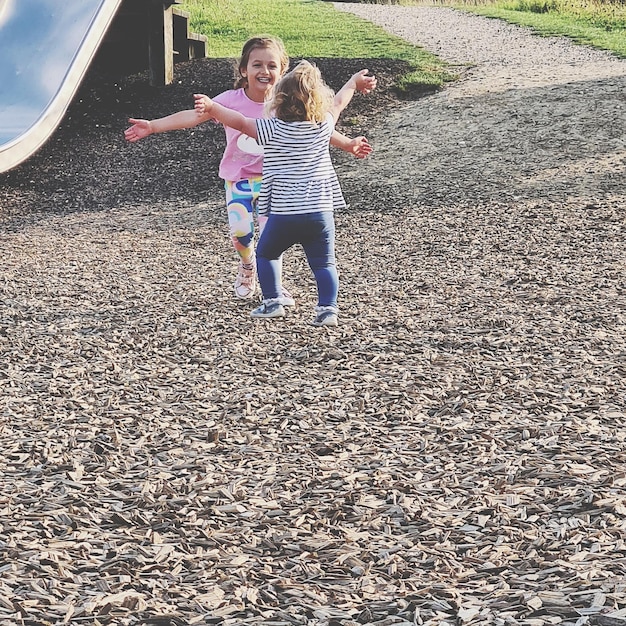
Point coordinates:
pixel 46 47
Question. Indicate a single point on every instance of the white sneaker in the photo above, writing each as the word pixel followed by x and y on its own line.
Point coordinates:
pixel 245 285
pixel 286 299
pixel 325 316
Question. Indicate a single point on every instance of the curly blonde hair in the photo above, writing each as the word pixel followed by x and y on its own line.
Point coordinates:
pixel 301 95
pixel 262 42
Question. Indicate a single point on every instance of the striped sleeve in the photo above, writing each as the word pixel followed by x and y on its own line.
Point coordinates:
pixel 264 129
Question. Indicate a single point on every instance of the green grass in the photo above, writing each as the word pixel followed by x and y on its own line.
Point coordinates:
pixel 309 28
pixel 594 23
pixel 312 28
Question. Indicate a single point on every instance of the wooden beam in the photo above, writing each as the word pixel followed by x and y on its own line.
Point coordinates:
pixel 161 43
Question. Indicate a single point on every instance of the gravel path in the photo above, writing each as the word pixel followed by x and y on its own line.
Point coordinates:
pixel 532 117
pixel 452 453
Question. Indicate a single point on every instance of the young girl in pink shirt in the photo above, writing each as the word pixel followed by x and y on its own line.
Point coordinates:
pixel 263 62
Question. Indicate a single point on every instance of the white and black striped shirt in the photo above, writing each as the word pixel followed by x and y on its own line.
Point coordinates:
pixel 298 175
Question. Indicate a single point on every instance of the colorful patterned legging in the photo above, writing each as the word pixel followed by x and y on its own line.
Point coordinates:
pixel 241 204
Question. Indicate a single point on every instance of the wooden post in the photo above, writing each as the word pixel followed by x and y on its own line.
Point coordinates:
pixel 161 43
pixel 181 34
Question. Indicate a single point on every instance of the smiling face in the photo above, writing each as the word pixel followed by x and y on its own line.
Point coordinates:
pixel 263 69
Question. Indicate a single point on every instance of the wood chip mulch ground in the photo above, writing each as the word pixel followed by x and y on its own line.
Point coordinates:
pixel 452 453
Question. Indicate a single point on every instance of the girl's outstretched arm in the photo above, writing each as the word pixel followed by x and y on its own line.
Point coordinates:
pixel 359 146
pixel 206 109
pixel 357 82
pixel 176 121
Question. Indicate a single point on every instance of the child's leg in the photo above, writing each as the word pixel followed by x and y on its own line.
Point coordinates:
pixel 241 204
pixel 274 240
pixel 319 247
pixel 285 297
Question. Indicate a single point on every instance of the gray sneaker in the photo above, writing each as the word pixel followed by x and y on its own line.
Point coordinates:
pixel 325 316
pixel 269 308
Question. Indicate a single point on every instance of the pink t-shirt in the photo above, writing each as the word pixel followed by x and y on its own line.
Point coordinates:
pixel 243 156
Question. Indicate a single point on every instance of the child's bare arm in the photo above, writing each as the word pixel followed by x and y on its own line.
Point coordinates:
pixel 207 108
pixel 358 146
pixel 357 82
pixel 142 128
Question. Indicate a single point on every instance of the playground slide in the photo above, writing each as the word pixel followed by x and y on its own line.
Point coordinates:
pixel 46 47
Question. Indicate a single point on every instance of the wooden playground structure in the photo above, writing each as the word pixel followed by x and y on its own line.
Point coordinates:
pixel 150 34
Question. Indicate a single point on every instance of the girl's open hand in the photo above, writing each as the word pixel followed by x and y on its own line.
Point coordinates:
pixel 364 83
pixel 202 104
pixel 360 147
pixel 138 130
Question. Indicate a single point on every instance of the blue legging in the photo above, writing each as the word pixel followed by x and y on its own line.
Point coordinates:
pixel 315 232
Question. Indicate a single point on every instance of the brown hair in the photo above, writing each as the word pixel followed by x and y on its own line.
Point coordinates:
pixel 261 41
pixel 301 95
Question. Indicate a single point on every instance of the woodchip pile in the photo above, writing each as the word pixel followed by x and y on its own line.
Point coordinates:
pixel 452 453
